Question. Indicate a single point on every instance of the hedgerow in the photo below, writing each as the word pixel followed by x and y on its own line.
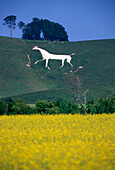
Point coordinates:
pixel 9 106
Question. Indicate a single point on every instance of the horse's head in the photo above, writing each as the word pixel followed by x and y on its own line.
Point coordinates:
pixel 35 48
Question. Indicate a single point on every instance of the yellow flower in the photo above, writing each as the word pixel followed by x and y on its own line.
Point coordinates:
pixel 55 142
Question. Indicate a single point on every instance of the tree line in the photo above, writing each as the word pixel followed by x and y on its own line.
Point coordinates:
pixel 9 106
pixel 38 29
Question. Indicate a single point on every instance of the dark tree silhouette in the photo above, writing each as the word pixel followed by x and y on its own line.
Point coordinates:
pixel 50 30
pixel 10 22
pixel 21 25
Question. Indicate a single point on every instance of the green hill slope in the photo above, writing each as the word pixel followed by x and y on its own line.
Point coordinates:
pixel 16 79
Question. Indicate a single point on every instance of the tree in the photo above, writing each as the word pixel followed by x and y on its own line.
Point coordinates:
pixel 3 107
pixel 66 107
pixel 53 31
pixel 43 29
pixel 21 25
pixel 32 30
pixel 10 22
pixel 16 106
pixel 45 107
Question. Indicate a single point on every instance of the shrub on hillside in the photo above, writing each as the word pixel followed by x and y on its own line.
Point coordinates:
pixel 103 105
pixel 52 110
pixel 45 107
pixel 16 106
pixel 82 109
pixel 19 107
pixel 66 106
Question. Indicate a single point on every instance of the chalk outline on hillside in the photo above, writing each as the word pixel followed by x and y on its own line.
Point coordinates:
pixel 47 56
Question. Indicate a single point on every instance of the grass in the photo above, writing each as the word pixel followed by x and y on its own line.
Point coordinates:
pixel 57 142
pixel 17 79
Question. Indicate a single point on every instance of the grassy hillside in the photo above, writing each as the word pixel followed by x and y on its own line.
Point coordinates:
pixel 16 79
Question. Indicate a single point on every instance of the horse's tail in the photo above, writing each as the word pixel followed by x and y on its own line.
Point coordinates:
pixel 72 54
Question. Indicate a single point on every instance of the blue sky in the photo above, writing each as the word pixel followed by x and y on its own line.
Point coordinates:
pixel 82 19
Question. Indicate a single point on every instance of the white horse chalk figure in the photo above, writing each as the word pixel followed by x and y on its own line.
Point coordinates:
pixel 46 56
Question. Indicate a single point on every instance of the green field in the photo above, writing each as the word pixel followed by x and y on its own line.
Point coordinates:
pixel 37 82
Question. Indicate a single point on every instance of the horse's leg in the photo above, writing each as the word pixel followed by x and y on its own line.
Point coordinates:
pixel 62 64
pixel 69 62
pixel 39 60
pixel 47 64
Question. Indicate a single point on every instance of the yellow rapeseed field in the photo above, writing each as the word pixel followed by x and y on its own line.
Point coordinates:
pixel 57 142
